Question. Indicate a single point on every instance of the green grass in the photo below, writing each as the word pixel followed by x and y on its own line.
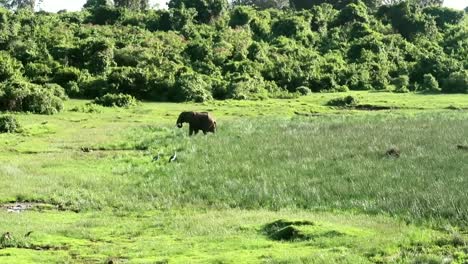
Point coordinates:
pixel 220 236
pixel 292 159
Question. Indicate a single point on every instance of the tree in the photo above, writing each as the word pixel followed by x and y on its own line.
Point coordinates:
pixel 422 3
pixel 338 4
pixel 132 4
pixel 96 3
pixel 207 9
pixel 18 4
pixel 263 4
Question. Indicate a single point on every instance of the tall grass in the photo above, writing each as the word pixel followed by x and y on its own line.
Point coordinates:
pixel 321 163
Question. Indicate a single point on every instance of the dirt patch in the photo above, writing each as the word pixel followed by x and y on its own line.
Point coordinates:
pixel 21 207
pixel 307 114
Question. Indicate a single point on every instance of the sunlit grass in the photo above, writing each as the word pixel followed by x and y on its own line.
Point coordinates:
pixel 298 157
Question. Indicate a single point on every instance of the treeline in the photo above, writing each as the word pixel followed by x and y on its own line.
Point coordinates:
pixel 203 49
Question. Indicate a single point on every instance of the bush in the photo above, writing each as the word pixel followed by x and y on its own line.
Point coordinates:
pixel 115 100
pixel 9 124
pixel 9 67
pixel 190 86
pixel 56 90
pixel 303 90
pixel 38 72
pixel 401 84
pixel 343 101
pixel 457 82
pixel 27 97
pixel 430 83
pixel 244 87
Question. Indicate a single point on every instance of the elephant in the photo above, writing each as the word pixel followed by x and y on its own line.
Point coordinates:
pixel 197 121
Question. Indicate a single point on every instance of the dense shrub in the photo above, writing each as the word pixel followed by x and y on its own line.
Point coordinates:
pixel 9 67
pixel 190 86
pixel 457 82
pixel 343 101
pixel 430 84
pixel 401 84
pixel 303 90
pixel 115 100
pixel 27 97
pixel 9 124
pixel 244 87
pixel 207 9
pixel 38 72
pixel 199 49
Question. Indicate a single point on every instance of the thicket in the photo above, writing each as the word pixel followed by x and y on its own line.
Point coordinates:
pixel 199 50
pixel 115 100
pixel 9 124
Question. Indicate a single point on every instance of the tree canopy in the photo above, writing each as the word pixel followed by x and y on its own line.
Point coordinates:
pixel 201 49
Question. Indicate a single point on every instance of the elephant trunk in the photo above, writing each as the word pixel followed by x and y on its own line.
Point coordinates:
pixel 179 122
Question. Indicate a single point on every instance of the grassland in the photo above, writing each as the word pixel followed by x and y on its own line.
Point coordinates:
pixel 276 159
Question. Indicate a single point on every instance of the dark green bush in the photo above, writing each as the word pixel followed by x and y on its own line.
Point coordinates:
pixel 343 101
pixel 303 90
pixel 9 67
pixel 128 80
pixel 106 15
pixel 430 84
pixel 115 100
pixel 241 16
pixel 22 96
pixel 401 84
pixel 38 72
pixel 9 124
pixel 244 87
pixel 457 82
pixel 190 86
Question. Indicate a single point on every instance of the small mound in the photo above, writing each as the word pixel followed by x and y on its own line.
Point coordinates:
pixel 393 152
pixel 284 230
pixel 462 147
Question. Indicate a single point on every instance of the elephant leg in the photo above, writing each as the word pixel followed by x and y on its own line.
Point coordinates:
pixel 190 131
pixel 196 131
pixel 205 132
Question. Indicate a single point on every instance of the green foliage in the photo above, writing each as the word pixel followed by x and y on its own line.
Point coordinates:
pixel 207 10
pixel 99 54
pixel 343 101
pixel 303 90
pixel 9 67
pixel 22 96
pixel 327 46
pixel 353 13
pixel 290 26
pixel 190 86
pixel 241 15
pixel 457 82
pixel 430 83
pixel 9 124
pixel 401 84
pixel 128 80
pixel 115 100
pixel 444 16
pixel 244 87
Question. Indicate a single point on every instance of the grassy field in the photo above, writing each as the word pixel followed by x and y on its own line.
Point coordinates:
pixel 323 170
